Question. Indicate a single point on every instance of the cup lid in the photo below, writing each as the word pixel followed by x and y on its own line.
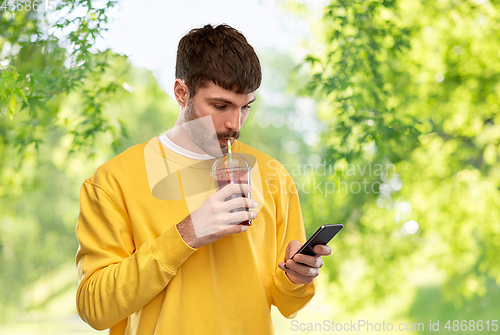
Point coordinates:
pixel 237 162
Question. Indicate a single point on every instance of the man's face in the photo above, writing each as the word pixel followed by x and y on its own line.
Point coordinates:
pixel 228 110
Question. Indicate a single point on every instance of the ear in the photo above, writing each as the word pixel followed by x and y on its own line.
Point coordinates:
pixel 181 92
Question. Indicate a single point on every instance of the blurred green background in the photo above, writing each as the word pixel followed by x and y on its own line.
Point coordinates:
pixel 388 122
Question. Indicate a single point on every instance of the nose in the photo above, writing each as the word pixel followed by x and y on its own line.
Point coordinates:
pixel 233 120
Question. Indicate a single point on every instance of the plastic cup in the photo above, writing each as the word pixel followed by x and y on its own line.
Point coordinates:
pixel 236 170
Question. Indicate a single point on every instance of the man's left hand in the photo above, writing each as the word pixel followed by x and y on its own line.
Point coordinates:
pixel 309 269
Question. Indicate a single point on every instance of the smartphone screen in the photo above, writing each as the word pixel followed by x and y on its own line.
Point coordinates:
pixel 322 236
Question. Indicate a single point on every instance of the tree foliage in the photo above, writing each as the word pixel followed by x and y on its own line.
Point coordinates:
pixel 412 85
pixel 69 120
pixel 55 91
pixel 45 56
pixel 39 200
pixel 408 103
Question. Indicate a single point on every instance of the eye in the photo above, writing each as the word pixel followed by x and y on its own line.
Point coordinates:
pixel 246 108
pixel 220 107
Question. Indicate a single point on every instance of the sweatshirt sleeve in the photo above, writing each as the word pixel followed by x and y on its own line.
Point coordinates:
pixel 289 297
pixel 115 279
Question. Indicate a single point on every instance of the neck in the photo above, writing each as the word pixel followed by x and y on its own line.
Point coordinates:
pixel 179 136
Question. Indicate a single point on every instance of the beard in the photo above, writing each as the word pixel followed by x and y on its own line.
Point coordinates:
pixel 202 135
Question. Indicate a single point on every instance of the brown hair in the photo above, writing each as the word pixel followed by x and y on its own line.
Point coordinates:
pixel 221 55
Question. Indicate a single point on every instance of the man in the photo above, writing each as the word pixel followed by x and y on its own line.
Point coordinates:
pixel 145 264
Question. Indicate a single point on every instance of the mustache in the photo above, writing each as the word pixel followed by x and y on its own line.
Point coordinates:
pixel 233 134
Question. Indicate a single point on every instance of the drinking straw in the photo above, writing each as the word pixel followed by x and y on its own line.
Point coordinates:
pixel 229 151
pixel 230 156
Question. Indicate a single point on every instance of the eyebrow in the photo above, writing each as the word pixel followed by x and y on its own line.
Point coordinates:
pixel 218 99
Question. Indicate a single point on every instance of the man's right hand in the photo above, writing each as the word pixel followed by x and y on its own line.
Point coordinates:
pixel 212 220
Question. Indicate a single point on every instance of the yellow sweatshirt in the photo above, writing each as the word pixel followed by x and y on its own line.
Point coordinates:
pixel 138 276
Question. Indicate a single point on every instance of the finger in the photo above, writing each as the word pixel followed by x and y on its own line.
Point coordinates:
pixel 285 268
pixel 238 202
pixel 230 189
pixel 287 252
pixel 238 217
pixel 282 266
pixel 322 250
pixel 302 270
pixel 233 230
pixel 291 273
pixel 292 248
pixel 215 232
pixel 312 261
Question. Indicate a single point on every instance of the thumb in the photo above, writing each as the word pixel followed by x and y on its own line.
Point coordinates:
pixel 292 248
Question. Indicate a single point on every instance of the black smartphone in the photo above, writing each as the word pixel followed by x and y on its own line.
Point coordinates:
pixel 322 236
